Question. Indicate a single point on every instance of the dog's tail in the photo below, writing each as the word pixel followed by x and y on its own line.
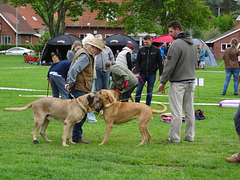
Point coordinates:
pixel 154 111
pixel 19 109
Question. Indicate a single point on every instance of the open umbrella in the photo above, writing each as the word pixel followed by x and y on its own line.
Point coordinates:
pixel 160 40
pixel 118 41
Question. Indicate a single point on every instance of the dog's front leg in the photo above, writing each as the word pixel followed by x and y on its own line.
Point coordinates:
pixel 108 130
pixel 66 128
pixel 70 132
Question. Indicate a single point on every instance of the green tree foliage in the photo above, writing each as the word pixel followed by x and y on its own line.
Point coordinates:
pixel 154 15
pixel 223 22
pixel 214 5
pixel 225 6
pixel 209 34
pixel 45 37
pixel 48 9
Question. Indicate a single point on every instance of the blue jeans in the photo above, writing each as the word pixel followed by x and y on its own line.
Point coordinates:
pixel 77 128
pixel 150 79
pixel 228 73
pixel 58 86
pixel 102 81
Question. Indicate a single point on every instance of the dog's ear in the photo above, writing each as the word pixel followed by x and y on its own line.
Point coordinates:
pixel 111 98
pixel 90 99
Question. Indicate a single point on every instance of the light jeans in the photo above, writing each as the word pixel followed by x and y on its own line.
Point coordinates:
pixel 181 97
pixel 58 86
pixel 90 115
pixel 102 81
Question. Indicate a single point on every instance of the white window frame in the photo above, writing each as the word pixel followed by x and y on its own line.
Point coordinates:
pixel 227 45
pixel 107 35
pixel 34 18
pixel 27 39
pixel 5 38
pixel 84 35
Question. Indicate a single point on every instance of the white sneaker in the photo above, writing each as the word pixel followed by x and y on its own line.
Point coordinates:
pixel 92 121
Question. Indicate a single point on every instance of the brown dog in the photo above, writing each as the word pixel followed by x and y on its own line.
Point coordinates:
pixel 68 111
pixel 115 112
pixel 54 57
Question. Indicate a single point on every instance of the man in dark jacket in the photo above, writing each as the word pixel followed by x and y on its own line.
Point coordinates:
pixel 148 61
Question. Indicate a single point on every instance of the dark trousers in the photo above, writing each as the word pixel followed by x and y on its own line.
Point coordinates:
pixel 125 96
pixel 77 128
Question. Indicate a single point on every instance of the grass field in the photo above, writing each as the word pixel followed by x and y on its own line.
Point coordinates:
pixel 120 157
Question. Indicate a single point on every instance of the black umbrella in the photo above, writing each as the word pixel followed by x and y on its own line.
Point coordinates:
pixel 118 41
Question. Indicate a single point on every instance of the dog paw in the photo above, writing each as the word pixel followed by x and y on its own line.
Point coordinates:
pixel 36 142
pixel 101 144
pixel 49 141
pixel 65 145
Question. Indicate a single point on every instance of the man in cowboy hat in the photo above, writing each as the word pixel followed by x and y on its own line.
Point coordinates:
pixel 80 78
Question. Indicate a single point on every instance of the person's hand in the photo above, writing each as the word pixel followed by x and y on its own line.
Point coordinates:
pixel 125 83
pixel 137 75
pixel 161 89
pixel 67 86
pixel 48 79
pixel 159 78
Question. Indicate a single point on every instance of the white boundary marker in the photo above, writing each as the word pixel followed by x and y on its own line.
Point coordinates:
pixel 19 68
pixel 203 104
pixel 20 89
pixel 42 96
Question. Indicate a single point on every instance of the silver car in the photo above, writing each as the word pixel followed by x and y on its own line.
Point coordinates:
pixel 18 51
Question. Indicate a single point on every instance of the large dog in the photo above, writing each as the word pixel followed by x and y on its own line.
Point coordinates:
pixel 68 111
pixel 116 113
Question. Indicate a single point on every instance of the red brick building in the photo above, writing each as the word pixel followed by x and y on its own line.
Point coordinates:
pixel 221 42
pixel 28 26
pixel 88 24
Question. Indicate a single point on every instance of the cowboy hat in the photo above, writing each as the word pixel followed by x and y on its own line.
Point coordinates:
pixel 98 43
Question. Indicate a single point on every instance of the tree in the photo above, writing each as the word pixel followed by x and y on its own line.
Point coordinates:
pixel 214 6
pixel 225 6
pixel 223 22
pixel 47 9
pixel 154 15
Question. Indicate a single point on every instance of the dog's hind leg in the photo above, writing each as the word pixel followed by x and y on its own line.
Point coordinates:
pixel 108 130
pixel 38 123
pixel 148 135
pixel 43 130
pixel 143 130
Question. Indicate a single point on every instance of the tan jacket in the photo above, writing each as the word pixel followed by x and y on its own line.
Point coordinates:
pixel 84 79
pixel 231 57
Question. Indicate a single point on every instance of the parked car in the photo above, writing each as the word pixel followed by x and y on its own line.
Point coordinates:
pixel 18 51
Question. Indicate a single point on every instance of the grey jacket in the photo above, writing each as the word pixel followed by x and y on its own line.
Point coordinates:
pixel 70 55
pixel 121 74
pixel 102 58
pixel 181 58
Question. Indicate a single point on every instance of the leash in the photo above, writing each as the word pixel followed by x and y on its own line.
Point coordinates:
pixel 48 88
pixel 145 94
pixel 145 84
pixel 71 94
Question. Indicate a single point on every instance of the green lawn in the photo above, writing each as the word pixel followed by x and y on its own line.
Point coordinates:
pixel 120 157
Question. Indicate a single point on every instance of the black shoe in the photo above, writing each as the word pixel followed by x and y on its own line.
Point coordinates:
pixel 223 94
pixel 235 94
pixel 81 141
